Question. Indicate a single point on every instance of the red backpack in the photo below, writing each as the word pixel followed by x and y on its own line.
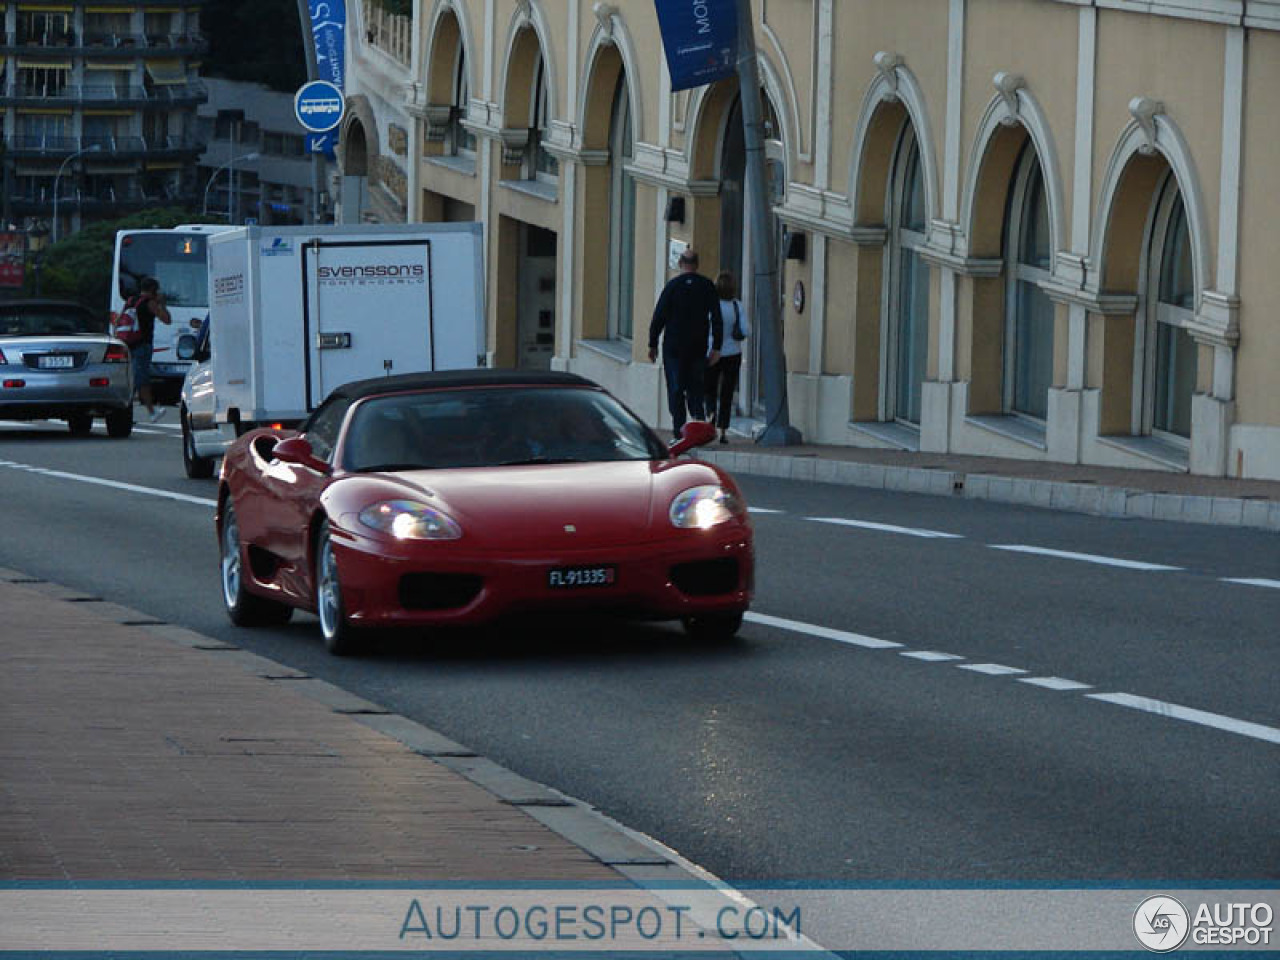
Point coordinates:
pixel 126 326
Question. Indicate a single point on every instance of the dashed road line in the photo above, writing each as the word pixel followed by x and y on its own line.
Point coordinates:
pixel 763 510
pixel 114 484
pixel 1217 721
pixel 1159 708
pixel 1055 683
pixel 1253 582
pixel 991 669
pixel 888 528
pixel 840 636
pixel 1084 557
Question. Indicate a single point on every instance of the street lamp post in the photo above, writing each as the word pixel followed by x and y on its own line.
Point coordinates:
pixel 214 176
pixel 58 180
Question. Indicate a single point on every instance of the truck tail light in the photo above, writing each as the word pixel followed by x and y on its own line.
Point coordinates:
pixel 116 353
pixel 14 384
pixel 99 382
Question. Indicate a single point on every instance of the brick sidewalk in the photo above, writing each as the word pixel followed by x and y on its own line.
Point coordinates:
pixel 127 756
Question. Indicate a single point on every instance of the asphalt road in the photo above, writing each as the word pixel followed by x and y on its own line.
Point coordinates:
pixel 901 708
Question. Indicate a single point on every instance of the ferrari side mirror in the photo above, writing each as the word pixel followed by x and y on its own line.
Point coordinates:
pixel 298 451
pixel 695 433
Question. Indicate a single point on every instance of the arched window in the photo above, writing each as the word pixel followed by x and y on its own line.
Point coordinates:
pixel 622 217
pixel 461 140
pixel 541 165
pixel 1171 354
pixel 1028 343
pixel 908 280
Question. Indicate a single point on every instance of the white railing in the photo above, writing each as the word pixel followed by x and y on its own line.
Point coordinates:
pixel 389 32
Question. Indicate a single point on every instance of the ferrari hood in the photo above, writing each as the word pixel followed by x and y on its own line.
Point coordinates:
pixel 558 506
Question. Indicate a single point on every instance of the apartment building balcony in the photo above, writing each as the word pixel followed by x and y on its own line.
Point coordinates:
pixel 99 203
pixel 37 147
pixel 103 46
pixel 133 95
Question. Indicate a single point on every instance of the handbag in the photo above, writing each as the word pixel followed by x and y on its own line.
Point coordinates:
pixel 737 322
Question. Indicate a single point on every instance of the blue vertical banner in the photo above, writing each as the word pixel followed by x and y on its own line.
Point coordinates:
pixel 329 31
pixel 700 38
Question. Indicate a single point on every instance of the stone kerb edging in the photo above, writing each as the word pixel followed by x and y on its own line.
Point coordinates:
pixel 1048 494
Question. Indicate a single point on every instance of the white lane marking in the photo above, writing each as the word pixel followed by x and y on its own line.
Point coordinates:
pixel 762 510
pixel 1253 582
pixel 1055 683
pixel 1157 707
pixel 114 484
pixel 840 636
pixel 888 528
pixel 1216 720
pixel 1086 557
pixel 155 429
pixel 930 656
pixel 991 669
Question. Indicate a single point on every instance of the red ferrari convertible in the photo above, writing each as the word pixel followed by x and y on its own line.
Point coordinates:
pixel 462 497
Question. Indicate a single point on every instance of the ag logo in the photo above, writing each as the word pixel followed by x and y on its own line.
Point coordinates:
pixel 1161 923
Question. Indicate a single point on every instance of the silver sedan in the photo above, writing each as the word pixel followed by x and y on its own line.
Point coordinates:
pixel 58 362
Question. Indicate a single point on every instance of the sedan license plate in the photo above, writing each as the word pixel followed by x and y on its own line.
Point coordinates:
pixel 572 577
pixel 55 361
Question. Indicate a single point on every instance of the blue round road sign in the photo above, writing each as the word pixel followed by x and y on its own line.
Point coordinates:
pixel 318 106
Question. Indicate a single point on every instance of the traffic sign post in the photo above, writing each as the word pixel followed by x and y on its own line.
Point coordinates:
pixel 319 106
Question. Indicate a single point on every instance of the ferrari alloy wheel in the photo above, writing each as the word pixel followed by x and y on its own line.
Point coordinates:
pixel 244 608
pixel 80 424
pixel 120 423
pixel 713 627
pixel 197 467
pixel 340 637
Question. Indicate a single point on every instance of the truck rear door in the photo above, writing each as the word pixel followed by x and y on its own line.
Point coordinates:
pixel 367 310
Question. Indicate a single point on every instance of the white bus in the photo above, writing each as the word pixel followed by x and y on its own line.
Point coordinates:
pixel 178 259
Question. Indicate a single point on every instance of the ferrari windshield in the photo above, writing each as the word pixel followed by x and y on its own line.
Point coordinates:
pixel 491 427
pixel 50 321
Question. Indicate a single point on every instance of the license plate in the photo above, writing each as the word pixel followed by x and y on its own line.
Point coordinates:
pixel 571 577
pixel 56 362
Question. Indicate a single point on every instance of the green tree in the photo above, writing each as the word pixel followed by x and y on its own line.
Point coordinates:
pixel 79 267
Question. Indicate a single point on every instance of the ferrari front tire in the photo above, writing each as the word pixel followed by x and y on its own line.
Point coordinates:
pixel 340 638
pixel 244 608
pixel 713 627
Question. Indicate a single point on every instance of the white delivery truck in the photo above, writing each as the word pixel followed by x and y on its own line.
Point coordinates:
pixel 298 311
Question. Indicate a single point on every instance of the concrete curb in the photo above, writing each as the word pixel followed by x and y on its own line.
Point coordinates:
pixel 644 861
pixel 1087 498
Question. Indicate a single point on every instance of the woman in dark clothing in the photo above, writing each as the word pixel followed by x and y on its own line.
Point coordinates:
pixel 722 374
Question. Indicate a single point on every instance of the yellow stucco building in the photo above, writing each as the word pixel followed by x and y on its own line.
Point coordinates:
pixel 1046 229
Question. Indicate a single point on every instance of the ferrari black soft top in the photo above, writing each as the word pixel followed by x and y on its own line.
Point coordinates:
pixel 445 379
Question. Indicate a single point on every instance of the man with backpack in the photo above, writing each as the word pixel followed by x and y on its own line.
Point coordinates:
pixel 148 306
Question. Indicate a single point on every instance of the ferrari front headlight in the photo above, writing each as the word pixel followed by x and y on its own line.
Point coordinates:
pixel 407 520
pixel 703 507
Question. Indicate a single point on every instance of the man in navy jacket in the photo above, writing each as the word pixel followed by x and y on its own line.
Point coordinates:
pixel 687 314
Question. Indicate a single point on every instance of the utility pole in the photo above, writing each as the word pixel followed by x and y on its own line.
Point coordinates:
pixel 313 73
pixel 778 431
